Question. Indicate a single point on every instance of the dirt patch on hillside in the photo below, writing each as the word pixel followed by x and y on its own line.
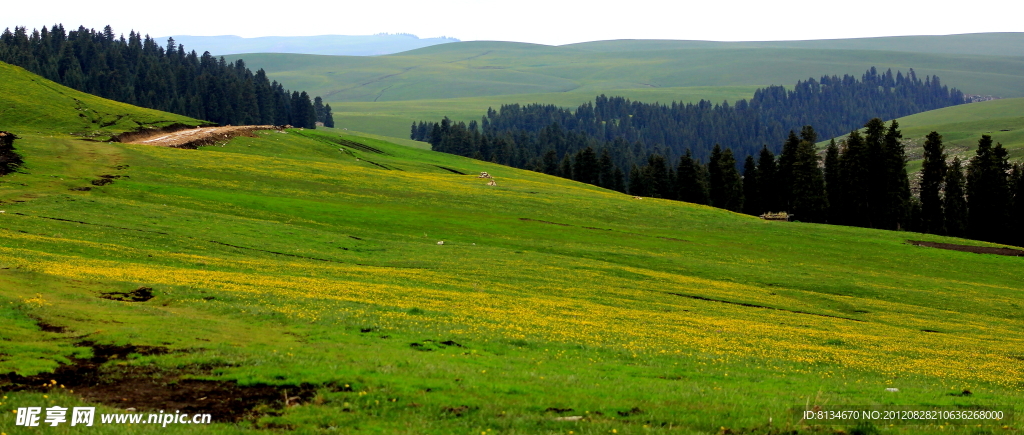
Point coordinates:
pixel 967 248
pixel 147 389
pixel 189 138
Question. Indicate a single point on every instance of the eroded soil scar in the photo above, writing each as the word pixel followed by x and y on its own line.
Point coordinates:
pixel 148 389
pixel 141 294
pixel 967 248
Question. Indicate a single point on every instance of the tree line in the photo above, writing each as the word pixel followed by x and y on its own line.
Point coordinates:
pixel 522 136
pixel 860 181
pixel 140 72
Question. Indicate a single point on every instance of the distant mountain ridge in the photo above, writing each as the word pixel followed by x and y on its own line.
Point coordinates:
pixel 336 45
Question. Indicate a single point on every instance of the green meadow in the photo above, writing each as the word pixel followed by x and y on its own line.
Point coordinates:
pixel 313 262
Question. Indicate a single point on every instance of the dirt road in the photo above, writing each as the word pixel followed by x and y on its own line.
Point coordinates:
pixel 194 137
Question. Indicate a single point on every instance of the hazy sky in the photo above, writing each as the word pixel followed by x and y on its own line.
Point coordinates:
pixel 545 22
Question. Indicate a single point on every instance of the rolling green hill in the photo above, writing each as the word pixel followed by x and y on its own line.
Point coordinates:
pixel 29 103
pixel 305 268
pixel 472 69
pixel 962 126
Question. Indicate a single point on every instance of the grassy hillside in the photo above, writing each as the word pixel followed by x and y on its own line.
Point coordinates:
pixel 29 103
pixel 309 262
pixel 473 69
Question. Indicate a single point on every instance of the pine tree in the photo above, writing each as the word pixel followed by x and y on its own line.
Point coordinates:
pixel 328 116
pixel 549 164
pixel 854 178
pixel 784 176
pixel 657 173
pixel 810 202
pixel 585 168
pixel 618 184
pixel 751 194
pixel 832 182
pixel 988 194
pixel 874 184
pixel 318 109
pixel 933 172
pixel 954 203
pixel 726 183
pixel 1016 224
pixel 896 186
pixel 565 168
pixel 691 180
pixel 605 170
pixel 435 137
pixel 637 185
pixel 307 115
pixel 768 189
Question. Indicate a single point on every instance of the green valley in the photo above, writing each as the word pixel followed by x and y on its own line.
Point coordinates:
pixel 325 281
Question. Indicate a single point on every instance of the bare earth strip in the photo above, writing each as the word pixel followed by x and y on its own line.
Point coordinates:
pixel 196 137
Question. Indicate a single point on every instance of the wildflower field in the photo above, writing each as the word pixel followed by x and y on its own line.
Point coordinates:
pixel 313 258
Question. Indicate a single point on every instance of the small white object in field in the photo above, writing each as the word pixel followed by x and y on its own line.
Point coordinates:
pixel 473 244
pixel 3 211
pixel 570 418
pixel 441 242
pixel 892 390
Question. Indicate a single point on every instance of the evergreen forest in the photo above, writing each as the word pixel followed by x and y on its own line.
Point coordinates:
pixel 760 156
pixel 141 72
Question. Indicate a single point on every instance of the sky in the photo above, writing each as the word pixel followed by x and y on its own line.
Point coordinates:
pixel 535 21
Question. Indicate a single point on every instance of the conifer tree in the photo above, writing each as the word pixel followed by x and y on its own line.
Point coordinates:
pixel 768 189
pixel 954 203
pixel 549 164
pixel 637 185
pixel 319 110
pixel 658 180
pixel 328 116
pixel 691 180
pixel 988 194
pixel 618 184
pixel 751 194
pixel 854 178
pixel 784 176
pixel 810 202
pixel 565 168
pixel 896 186
pixel 874 184
pixel 606 170
pixel 933 172
pixel 1016 224
pixel 832 184
pixel 726 183
pixel 585 168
